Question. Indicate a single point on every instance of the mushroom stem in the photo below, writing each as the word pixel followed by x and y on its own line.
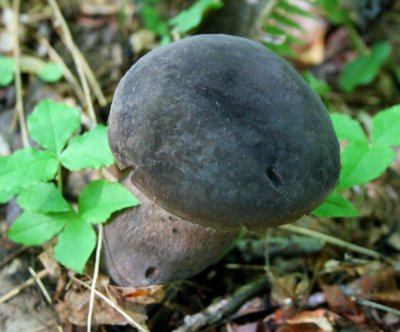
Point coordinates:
pixel 147 245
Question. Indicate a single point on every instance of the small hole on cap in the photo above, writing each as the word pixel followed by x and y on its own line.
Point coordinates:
pixel 151 272
pixel 274 176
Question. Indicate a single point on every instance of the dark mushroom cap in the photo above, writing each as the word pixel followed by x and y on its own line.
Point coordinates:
pixel 222 132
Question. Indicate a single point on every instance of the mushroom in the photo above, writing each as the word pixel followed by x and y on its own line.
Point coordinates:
pixel 217 133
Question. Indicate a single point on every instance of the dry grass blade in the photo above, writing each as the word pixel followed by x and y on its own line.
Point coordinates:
pixel 333 240
pixel 69 42
pixel 19 106
pixel 95 276
pixel 113 305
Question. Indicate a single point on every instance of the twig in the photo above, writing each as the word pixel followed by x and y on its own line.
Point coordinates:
pixel 54 56
pixel 10 257
pixel 19 106
pixel 223 308
pixel 14 292
pixel 376 305
pixel 113 305
pixel 69 42
pixel 95 276
pixel 333 240
pixel 92 81
pixel 40 284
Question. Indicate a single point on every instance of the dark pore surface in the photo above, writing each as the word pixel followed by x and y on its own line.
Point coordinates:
pixel 222 132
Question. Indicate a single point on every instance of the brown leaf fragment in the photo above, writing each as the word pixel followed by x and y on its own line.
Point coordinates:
pixel 142 295
pixel 74 309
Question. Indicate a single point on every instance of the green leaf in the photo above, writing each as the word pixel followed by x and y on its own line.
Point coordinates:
pixel 43 197
pixel 335 12
pixel 293 9
pixel 7 70
pixel 26 167
pixel 7 195
pixel 386 127
pixel 365 68
pixel 154 22
pixel 50 72
pixel 190 18
pixel 336 206
pixel 32 228
pixel 90 150
pixel 75 245
pixel 362 163
pixel 51 124
pixel 318 85
pixel 347 129
pixel 286 21
pixel 100 199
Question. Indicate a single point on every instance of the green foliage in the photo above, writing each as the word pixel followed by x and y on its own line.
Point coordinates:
pixel 183 23
pixel 282 25
pixel 7 69
pixel 52 124
pixel 347 129
pixel 335 12
pixel 319 86
pixel 48 72
pixel 190 18
pixel 43 197
pixel 46 212
pixel 363 159
pixel 362 163
pixel 100 199
pixel 386 127
pixel 336 205
pixel 26 167
pixel 364 69
pixel 90 150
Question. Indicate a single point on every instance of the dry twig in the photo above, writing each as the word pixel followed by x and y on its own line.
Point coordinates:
pixel 69 42
pixel 95 276
pixel 14 292
pixel 19 105
pixel 113 305
pixel 223 308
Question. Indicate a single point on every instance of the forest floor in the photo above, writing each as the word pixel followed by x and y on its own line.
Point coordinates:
pixel 319 274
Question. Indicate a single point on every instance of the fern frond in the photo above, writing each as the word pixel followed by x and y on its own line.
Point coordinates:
pixel 281 26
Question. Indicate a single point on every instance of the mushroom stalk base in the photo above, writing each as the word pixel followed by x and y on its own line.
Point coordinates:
pixel 147 245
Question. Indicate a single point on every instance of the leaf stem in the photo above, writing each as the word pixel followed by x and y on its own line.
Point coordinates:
pixel 59 177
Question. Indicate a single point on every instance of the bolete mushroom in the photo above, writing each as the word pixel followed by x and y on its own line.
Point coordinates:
pixel 217 133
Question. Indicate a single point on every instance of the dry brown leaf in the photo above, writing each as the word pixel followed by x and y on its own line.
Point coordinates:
pixel 74 309
pixel 142 295
pixel 322 318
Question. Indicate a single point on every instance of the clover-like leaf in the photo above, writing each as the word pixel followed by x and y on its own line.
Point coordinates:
pixel 347 129
pixel 100 199
pixel 90 150
pixel 190 18
pixel 75 244
pixel 50 72
pixel 336 206
pixel 362 163
pixel 32 228
pixel 364 69
pixel 7 70
pixel 51 124
pixel 6 195
pixel 26 167
pixel 43 197
pixel 386 127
